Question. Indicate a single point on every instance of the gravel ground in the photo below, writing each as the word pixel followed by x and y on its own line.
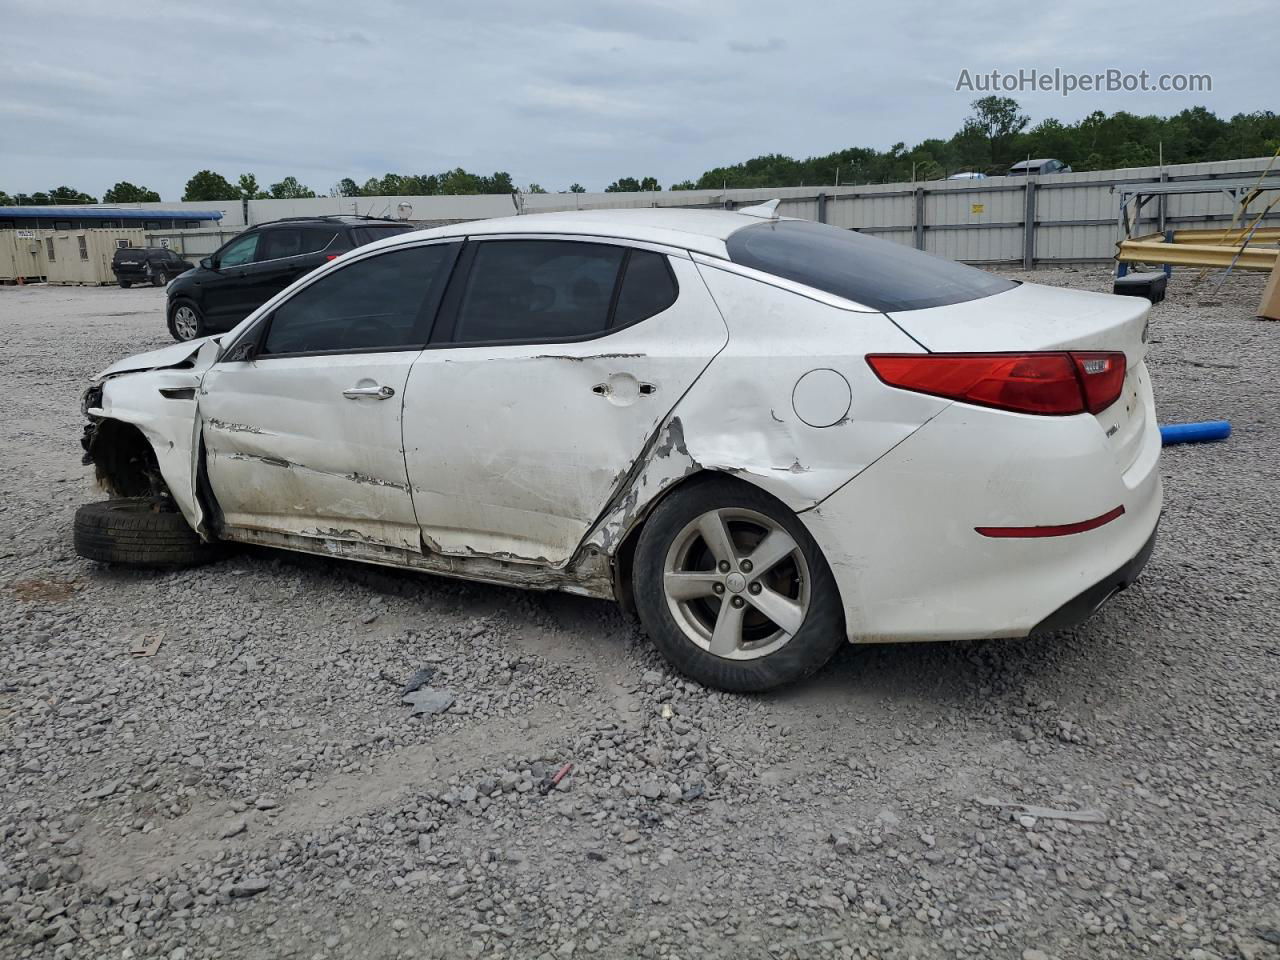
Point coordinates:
pixel 258 789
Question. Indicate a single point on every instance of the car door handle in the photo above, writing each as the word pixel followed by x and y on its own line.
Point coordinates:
pixel 376 393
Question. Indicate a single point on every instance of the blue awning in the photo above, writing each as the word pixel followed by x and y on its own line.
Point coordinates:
pixel 107 213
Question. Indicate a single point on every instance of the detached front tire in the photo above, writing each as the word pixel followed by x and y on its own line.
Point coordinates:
pixel 733 590
pixel 132 532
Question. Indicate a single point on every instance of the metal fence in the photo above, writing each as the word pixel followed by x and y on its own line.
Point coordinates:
pixel 1061 218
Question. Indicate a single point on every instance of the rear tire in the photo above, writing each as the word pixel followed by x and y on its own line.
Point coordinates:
pixel 125 284
pixel 186 322
pixel 131 532
pixel 157 278
pixel 772 608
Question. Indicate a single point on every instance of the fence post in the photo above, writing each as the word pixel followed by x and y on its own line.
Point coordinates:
pixel 1029 225
pixel 919 225
pixel 822 208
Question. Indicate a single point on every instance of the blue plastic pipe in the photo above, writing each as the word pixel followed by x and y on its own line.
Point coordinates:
pixel 1195 432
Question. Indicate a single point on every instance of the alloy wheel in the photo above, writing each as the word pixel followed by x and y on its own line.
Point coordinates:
pixel 736 583
pixel 185 323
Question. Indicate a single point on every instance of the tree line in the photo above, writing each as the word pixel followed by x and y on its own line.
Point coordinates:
pixel 996 134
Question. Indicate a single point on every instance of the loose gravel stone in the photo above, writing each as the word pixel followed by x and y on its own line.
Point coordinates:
pixel 257 788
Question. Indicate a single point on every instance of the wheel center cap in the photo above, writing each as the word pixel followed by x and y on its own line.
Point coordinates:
pixel 736 582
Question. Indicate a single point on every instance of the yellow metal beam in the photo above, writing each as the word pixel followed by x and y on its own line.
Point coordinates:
pixel 1262 236
pixel 1196 254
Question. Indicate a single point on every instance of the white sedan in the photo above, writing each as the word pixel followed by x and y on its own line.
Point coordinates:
pixel 766 436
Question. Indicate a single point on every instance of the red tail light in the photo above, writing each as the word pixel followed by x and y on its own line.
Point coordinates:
pixel 331 256
pixel 1050 384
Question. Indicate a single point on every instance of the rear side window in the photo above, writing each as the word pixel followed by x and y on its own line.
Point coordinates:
pixel 536 290
pixel 879 274
pixel 381 302
pixel 648 288
pixel 362 235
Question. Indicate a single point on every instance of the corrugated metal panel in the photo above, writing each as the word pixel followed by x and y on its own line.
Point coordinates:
pixel 996 245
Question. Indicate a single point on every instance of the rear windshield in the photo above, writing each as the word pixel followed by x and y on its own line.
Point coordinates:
pixel 362 235
pixel 879 274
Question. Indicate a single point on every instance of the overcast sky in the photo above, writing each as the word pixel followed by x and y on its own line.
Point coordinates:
pixel 587 91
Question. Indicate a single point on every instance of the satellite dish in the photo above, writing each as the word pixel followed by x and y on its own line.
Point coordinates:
pixel 404 209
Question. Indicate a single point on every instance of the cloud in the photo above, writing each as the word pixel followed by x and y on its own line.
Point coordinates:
pixel 580 90
pixel 772 45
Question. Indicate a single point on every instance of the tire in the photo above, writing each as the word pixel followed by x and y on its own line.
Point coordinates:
pixel 186 322
pixel 795 582
pixel 132 533
pixel 158 278
pixel 125 284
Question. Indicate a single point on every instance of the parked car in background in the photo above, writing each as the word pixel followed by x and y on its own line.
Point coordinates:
pixel 254 266
pixel 153 265
pixel 1038 168
pixel 767 436
pixel 968 175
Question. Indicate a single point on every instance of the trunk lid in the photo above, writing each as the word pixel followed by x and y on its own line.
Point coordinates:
pixel 1033 317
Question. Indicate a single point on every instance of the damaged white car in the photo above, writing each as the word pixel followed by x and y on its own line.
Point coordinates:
pixel 766 436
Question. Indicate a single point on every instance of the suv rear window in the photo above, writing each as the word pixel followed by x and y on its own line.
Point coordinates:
pixel 876 273
pixel 362 235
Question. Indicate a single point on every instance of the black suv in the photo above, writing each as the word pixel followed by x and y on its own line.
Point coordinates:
pixel 153 265
pixel 254 266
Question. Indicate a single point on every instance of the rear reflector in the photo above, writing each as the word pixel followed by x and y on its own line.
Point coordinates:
pixel 1059 531
pixel 1049 384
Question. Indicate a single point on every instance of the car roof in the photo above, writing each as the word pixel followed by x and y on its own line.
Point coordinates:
pixel 1031 163
pixel 702 230
pixel 325 219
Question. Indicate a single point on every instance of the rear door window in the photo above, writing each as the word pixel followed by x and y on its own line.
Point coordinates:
pixel 383 302
pixel 280 243
pixel 537 290
pixel 875 273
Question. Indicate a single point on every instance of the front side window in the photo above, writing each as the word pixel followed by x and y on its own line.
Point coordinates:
pixel 382 302
pixel 239 251
pixel 536 290
pixel 876 273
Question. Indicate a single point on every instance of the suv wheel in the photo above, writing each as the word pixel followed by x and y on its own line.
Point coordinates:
pixel 156 275
pixel 185 321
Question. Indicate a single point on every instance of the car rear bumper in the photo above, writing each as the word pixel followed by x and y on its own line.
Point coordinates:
pixel 1086 604
pixel 903 543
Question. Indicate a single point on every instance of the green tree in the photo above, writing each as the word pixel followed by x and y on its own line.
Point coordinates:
pixel 290 189
pixel 5 199
pixel 997 120
pixel 534 188
pixel 126 192
pixel 68 195
pixel 632 185
pixel 684 185
pixel 577 188
pixel 249 189
pixel 346 187
pixel 207 185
